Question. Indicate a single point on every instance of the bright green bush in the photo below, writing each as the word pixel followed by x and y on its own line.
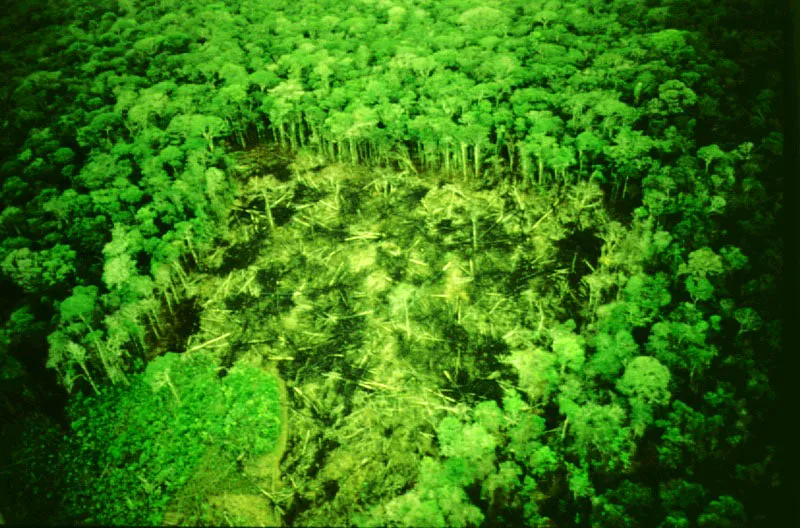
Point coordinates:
pixel 131 450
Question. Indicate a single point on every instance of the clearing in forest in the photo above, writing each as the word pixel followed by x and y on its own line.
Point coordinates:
pixel 385 301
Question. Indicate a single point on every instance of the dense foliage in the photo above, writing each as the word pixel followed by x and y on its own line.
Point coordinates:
pixel 144 442
pixel 562 223
pixel 167 439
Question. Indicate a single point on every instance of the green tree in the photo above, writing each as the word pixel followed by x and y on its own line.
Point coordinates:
pixel 628 505
pixel 702 264
pixel 78 313
pixel 600 435
pixel 199 126
pixel 680 342
pixel 646 379
pixel 674 97
pixel 438 499
pixel 723 512
pixel 484 19
pixel 587 142
pixel 64 355
pixel 646 383
pixel 612 352
pixel 710 153
pixel 37 271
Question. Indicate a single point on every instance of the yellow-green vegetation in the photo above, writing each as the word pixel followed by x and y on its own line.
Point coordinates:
pixel 389 301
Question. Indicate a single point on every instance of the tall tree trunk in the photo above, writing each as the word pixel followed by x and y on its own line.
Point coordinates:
pixel 464 159
pixel 88 376
pixel 282 130
pixel 541 170
pixel 293 136
pixel 525 165
pixel 154 323
pixel 301 135
pixel 101 350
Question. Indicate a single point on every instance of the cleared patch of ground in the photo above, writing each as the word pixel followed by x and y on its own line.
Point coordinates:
pixel 384 301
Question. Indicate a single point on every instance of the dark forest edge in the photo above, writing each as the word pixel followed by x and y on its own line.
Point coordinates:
pixel 119 177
